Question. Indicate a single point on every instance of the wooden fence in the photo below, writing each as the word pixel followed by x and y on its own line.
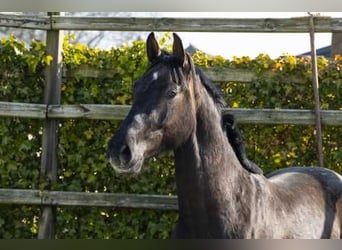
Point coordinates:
pixel 52 110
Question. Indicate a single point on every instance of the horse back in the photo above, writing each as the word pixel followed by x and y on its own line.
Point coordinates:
pixel 327 179
pixel 314 191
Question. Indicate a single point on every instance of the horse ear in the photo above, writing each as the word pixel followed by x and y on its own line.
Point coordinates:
pixel 152 47
pixel 178 49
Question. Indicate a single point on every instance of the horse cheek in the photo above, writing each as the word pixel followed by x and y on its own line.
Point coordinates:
pixel 182 128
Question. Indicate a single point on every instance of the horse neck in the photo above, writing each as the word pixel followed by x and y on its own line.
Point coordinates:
pixel 207 155
pixel 207 170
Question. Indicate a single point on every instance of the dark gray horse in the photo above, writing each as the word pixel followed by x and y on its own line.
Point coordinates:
pixel 175 109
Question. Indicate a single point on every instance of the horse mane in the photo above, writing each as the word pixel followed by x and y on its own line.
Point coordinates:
pixel 213 90
pixel 174 62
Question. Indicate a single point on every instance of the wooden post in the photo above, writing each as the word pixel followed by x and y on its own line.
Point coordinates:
pixel 336 44
pixel 316 93
pixel 52 95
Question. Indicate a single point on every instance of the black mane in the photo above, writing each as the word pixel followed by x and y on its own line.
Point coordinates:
pixel 213 90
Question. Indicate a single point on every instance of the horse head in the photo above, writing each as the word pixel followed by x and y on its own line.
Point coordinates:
pixel 163 113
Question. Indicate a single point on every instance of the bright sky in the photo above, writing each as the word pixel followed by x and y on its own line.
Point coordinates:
pixel 251 44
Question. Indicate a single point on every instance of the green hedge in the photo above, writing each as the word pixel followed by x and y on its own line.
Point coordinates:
pixel 82 146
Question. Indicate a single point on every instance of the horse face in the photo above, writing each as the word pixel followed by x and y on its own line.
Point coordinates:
pixel 162 114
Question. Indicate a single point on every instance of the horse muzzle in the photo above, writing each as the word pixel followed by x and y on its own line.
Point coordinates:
pixel 125 158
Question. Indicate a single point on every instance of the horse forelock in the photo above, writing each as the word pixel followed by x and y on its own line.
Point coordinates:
pixel 178 75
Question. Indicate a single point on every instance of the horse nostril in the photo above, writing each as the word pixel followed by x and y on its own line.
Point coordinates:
pixel 125 154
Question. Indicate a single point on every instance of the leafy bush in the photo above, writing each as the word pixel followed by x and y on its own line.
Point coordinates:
pixel 83 164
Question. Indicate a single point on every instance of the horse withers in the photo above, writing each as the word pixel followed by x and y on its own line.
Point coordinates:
pixel 175 107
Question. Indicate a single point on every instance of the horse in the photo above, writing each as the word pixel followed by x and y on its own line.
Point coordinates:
pixel 176 108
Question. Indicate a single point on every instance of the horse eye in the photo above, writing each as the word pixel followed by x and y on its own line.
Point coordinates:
pixel 171 93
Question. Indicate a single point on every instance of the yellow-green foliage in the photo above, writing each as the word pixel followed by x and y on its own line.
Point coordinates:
pixel 82 146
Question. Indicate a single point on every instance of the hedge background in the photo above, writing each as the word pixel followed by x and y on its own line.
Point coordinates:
pixel 83 165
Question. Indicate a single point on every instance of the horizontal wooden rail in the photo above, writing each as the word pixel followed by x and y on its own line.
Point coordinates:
pixel 214 74
pixel 25 21
pixel 87 199
pixel 285 116
pixel 27 110
pixel 119 112
pixel 324 24
pixel 298 24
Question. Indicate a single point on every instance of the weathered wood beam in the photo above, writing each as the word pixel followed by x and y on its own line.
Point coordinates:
pixel 285 116
pixel 296 24
pixel 49 162
pixel 25 21
pixel 27 110
pixel 89 111
pixel 214 74
pixel 87 199
pixel 336 44
pixel 119 112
